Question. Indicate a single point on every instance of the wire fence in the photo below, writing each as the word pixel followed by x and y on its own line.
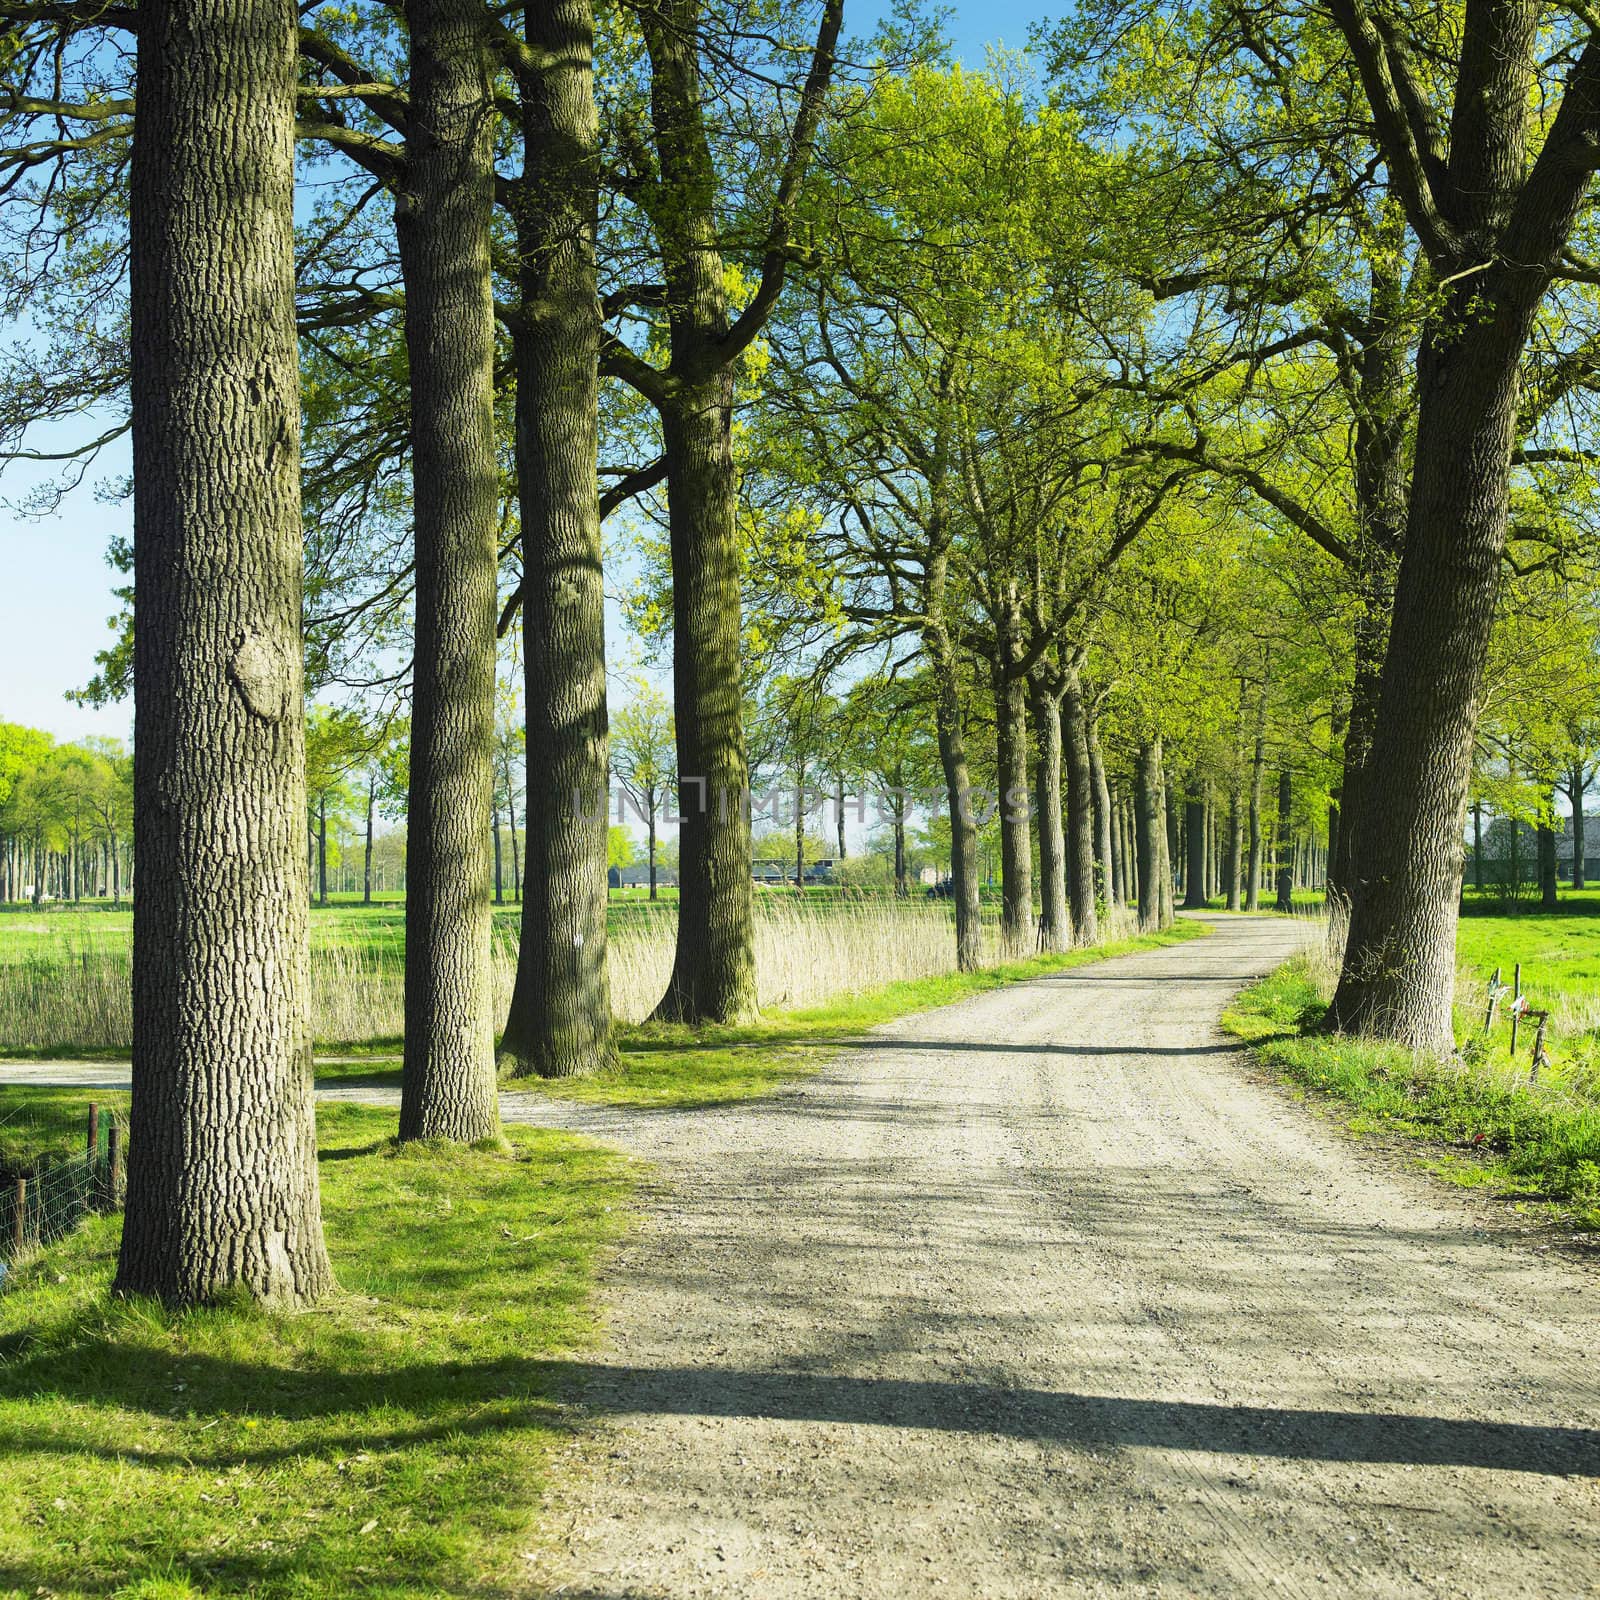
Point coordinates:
pixel 48 1197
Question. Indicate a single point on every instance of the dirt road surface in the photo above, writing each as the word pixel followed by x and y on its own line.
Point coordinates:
pixel 1047 1294
pixel 1044 1294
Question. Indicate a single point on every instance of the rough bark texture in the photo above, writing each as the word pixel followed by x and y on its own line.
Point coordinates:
pixel 1080 814
pixel 1055 931
pixel 714 970
pixel 1494 223
pixel 1399 970
pixel 222 1177
pixel 559 1023
pixel 1016 842
pixel 442 220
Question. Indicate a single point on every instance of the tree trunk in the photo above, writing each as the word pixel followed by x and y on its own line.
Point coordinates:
pixel 901 887
pixel 1285 898
pixel 1547 859
pixel 222 1175
pixel 322 849
pixel 1150 833
pixel 366 865
pixel 499 875
pixel 1055 932
pixel 1235 849
pixel 1104 835
pixel 511 830
pixel 838 812
pixel 948 723
pixel 1080 815
pixel 1194 877
pixel 559 1022
pixel 1168 843
pixel 1398 978
pixel 1258 768
pixel 652 832
pixel 800 832
pixel 448 1087
pixel 713 973
pixel 1016 843
pixel 1477 845
pixel 1579 785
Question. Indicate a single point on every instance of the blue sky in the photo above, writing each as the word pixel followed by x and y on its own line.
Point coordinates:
pixel 55 586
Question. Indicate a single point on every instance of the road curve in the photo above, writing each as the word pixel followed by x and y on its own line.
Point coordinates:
pixel 1043 1294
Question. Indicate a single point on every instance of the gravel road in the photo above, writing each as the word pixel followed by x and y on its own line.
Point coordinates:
pixel 1044 1293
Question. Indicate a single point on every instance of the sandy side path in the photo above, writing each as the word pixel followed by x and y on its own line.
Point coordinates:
pixel 1041 1294
pixel 1044 1294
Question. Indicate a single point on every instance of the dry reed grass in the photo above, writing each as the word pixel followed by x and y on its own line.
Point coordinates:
pixel 77 996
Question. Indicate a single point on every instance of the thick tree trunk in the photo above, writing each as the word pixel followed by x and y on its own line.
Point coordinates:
pixel 1104 834
pixel 1016 843
pixel 1126 808
pixel 559 1021
pixel 1285 896
pixel 1150 833
pixel 1080 814
pixel 442 221
pixel 222 1175
pixel 1194 877
pixel 1055 932
pixel 714 973
pixel 1398 977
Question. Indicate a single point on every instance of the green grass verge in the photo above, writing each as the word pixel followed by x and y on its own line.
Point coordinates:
pixel 391 1444
pixel 1483 1124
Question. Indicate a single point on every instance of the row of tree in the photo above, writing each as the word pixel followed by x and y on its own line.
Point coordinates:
pixel 1135 440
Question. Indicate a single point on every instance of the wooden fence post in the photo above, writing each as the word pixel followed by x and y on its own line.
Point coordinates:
pixel 19 1223
pixel 1516 995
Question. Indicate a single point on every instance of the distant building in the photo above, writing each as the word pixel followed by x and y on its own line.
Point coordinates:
pixel 1506 841
pixel 771 871
pixel 638 877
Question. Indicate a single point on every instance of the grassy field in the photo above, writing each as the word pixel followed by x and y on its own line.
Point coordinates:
pixel 1483 1119
pixel 391 1444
